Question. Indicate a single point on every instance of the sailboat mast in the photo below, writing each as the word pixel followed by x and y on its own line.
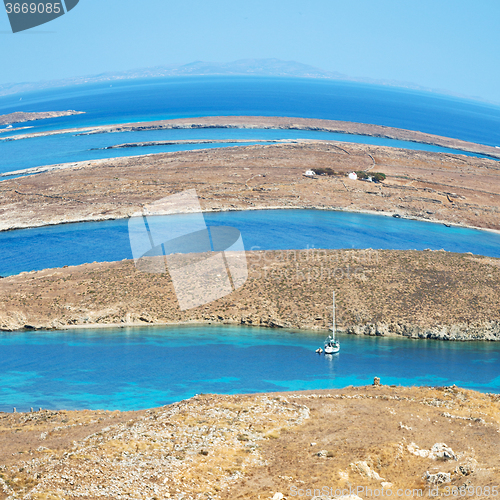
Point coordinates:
pixel 333 326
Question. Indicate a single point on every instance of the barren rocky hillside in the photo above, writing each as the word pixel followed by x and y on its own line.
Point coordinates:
pixel 455 189
pixel 260 446
pixel 428 294
pixel 20 116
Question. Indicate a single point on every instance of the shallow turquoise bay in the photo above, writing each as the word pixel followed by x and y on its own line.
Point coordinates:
pixel 134 368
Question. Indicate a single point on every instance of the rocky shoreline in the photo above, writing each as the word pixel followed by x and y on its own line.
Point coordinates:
pixel 128 145
pixel 417 295
pixel 487 331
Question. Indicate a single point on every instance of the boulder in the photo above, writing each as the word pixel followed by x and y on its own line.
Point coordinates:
pixel 438 478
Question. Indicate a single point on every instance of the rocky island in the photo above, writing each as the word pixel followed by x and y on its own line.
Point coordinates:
pixel 419 295
pixel 342 444
pixel 441 187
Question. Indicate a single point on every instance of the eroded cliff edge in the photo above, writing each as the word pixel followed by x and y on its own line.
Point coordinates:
pixel 417 294
pixel 260 446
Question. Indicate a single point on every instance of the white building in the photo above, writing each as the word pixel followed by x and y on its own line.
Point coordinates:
pixel 310 173
pixel 353 176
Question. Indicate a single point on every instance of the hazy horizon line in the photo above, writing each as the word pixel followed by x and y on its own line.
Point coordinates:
pixel 308 72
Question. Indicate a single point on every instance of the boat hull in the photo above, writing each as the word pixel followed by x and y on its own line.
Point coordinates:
pixel 332 350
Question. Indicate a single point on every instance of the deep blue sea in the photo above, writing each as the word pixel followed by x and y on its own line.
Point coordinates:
pixel 135 368
pixel 107 241
pixel 164 98
pixel 143 367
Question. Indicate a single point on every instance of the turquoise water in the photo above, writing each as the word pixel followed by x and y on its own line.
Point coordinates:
pixel 134 368
pixel 164 98
pixel 74 244
pixel 145 367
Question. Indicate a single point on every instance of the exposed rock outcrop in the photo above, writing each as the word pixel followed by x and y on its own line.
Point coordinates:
pixel 417 295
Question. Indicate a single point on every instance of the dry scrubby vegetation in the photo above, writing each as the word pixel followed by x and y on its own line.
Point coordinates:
pixel 414 293
pixel 20 116
pixel 189 448
pixel 249 447
pixel 433 186
pixel 375 176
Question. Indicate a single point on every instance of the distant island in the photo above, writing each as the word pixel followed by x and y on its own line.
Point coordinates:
pixel 270 67
pixel 20 116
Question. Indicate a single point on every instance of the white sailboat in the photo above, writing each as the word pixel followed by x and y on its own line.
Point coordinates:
pixel 332 345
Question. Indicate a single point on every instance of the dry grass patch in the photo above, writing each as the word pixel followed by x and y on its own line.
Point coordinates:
pixel 427 294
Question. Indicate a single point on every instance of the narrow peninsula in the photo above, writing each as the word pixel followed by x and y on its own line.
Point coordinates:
pixel 439 187
pixel 21 116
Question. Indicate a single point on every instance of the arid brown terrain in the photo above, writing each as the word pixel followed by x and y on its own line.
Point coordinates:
pixel 21 116
pixel 432 186
pixel 428 294
pixel 406 441
pixel 417 441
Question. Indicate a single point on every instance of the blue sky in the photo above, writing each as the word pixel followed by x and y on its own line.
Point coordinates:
pixel 452 45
